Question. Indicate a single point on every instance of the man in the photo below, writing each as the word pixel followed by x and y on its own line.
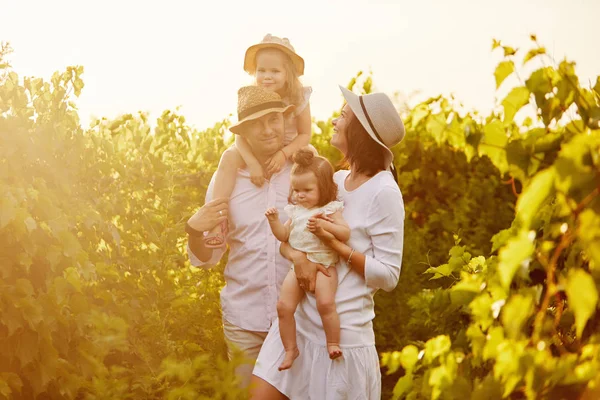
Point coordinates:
pixel 255 270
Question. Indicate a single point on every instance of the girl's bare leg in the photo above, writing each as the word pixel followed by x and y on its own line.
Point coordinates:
pixel 325 289
pixel 290 296
pixel 225 178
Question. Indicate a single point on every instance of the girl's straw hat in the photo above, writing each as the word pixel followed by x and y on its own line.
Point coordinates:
pixel 273 42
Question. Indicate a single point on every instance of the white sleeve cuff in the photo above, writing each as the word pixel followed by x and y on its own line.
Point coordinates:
pixel 214 259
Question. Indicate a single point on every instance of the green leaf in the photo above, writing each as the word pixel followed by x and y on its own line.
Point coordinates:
pixel 391 360
pixel 509 51
pixel 436 125
pixel 513 102
pixel 439 272
pixel 494 339
pixel 13 380
pixel 481 310
pixel 28 347
pixel 71 246
pixel 440 378
pixel 542 80
pixel 589 234
pixel 24 288
pixel 404 385
pixel 409 357
pixel 535 194
pixel 515 313
pixel 421 111
pixel 7 210
pixel 4 388
pixel 582 296
pixel 596 87
pixel 493 144
pixel 517 250
pixel 495 135
pixel 503 70
pixel 71 275
pixel 436 347
pixel 508 365
pixel 534 53
pixel 30 224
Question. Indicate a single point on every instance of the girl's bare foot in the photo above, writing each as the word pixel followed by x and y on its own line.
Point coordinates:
pixel 290 356
pixel 334 350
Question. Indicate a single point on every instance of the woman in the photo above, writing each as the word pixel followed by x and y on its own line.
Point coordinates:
pixel 367 127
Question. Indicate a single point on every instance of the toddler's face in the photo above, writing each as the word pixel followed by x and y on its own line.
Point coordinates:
pixel 305 190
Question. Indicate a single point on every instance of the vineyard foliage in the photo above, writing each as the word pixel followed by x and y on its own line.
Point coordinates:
pixel 498 296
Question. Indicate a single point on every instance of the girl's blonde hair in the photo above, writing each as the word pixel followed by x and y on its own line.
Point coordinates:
pixel 293 87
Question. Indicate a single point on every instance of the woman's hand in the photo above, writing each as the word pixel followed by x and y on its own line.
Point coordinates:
pixel 306 271
pixel 276 162
pixel 209 215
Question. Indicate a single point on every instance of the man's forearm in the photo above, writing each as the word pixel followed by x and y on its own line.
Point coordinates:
pixel 199 249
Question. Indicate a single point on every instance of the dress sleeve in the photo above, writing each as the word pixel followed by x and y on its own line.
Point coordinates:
pixel 332 207
pixel 306 92
pixel 385 226
pixel 289 210
pixel 217 253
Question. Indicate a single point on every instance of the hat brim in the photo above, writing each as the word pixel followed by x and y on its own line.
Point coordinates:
pixel 236 128
pixel 354 103
pixel 250 57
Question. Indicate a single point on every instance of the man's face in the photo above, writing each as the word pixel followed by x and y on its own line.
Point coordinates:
pixel 265 134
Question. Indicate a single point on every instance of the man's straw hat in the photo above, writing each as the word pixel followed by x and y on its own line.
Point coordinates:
pixel 254 102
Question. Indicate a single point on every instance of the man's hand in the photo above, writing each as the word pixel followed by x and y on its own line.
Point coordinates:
pixel 306 271
pixel 276 162
pixel 272 214
pixel 209 215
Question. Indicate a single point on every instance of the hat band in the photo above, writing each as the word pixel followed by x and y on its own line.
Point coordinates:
pixel 362 104
pixel 264 106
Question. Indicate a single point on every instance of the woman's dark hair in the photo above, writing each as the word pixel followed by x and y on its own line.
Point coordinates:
pixel 305 160
pixel 363 153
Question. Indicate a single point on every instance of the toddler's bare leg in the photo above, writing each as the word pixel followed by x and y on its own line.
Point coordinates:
pixel 290 296
pixel 325 289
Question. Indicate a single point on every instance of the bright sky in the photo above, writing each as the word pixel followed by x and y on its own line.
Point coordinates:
pixel 154 55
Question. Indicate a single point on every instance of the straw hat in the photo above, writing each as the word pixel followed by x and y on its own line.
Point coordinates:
pixel 273 42
pixel 254 102
pixel 379 117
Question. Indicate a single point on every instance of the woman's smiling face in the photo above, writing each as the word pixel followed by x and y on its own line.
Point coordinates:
pixel 339 140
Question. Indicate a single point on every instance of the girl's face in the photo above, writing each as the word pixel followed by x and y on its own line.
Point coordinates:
pixel 339 140
pixel 305 190
pixel 270 71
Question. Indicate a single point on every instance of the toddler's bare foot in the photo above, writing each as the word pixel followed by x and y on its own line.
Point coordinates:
pixel 290 356
pixel 334 350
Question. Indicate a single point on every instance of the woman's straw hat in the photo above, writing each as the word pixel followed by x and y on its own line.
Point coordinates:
pixel 379 117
